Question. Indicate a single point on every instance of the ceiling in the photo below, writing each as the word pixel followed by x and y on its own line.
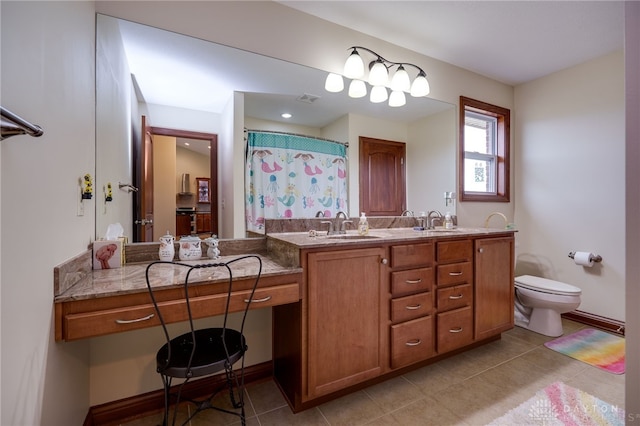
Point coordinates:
pixel 509 41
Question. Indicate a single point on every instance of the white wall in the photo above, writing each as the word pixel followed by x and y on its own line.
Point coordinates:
pixel 47 77
pixel 570 180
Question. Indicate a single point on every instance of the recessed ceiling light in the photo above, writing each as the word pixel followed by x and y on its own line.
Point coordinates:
pixel 186 143
pixel 286 115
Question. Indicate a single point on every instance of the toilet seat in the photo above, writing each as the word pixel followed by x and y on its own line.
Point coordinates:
pixel 544 285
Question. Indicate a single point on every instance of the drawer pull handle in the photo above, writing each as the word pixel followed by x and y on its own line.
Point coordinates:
pixel 418 281
pixel 264 299
pixel 455 330
pixel 460 296
pixel 415 342
pixel 413 307
pixel 455 274
pixel 147 318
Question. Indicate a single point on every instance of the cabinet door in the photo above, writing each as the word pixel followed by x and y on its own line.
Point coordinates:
pixel 183 224
pixel 346 298
pixel 494 262
pixel 203 222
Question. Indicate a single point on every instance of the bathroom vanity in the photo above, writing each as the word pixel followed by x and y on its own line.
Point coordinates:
pixel 348 311
pixel 379 306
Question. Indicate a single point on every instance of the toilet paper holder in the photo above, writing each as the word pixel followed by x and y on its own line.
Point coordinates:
pixel 595 258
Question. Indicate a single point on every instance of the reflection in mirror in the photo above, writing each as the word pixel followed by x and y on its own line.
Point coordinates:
pixel 267 87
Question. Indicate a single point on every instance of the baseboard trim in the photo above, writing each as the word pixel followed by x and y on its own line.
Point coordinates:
pixel 127 409
pixel 604 323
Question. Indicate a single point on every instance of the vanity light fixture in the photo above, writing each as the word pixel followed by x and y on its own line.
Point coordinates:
pixel 378 78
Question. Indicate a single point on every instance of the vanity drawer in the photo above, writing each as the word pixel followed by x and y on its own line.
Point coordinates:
pixel 99 322
pixel 411 281
pixel 409 255
pixel 454 297
pixel 410 307
pixel 455 329
pixel 454 251
pixel 411 341
pixel 456 273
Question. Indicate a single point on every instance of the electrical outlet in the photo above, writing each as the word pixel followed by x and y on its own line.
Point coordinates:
pixel 80 209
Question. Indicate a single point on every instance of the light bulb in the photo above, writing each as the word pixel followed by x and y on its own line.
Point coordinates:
pixel 357 89
pixel 400 80
pixel 420 86
pixel 378 94
pixel 378 75
pixel 334 83
pixel 397 98
pixel 354 67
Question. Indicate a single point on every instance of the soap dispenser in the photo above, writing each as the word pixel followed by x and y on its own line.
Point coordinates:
pixel 448 221
pixel 363 226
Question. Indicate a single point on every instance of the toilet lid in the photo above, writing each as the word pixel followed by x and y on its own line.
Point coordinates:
pixel 547 286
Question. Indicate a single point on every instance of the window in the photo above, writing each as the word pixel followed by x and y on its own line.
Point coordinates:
pixel 484 151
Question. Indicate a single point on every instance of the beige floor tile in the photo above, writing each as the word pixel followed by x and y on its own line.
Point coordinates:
pixel 265 396
pixel 475 401
pixel 560 366
pixel 353 409
pixel 394 393
pixel 433 378
pixel 469 389
pixel 284 416
pixel 425 412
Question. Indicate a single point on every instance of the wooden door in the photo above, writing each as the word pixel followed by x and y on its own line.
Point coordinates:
pixel 382 177
pixel 494 262
pixel 143 180
pixel 347 340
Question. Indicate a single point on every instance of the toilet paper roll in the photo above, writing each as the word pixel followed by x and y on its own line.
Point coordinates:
pixel 583 258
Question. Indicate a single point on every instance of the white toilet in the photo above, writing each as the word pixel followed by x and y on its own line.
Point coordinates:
pixel 540 301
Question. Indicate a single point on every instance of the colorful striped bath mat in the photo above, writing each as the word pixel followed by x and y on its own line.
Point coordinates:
pixel 595 347
pixel 560 404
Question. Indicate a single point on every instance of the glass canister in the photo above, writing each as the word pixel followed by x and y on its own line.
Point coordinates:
pixel 190 248
pixel 166 251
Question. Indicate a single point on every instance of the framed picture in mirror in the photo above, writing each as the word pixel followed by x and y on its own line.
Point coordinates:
pixel 204 196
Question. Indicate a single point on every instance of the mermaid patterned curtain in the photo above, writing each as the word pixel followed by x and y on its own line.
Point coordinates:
pixel 291 176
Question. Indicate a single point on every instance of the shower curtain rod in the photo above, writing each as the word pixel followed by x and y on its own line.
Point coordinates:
pixel 297 134
pixel 17 125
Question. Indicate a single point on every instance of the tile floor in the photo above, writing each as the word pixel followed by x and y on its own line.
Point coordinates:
pixel 471 388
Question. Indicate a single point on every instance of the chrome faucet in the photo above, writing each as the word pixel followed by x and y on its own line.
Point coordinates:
pixel 407 213
pixel 429 224
pixel 330 230
pixel 340 225
pixel 320 213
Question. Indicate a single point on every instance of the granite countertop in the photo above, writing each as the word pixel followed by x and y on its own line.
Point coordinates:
pixel 377 236
pixel 131 277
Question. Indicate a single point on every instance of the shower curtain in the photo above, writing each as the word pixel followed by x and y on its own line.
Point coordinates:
pixel 292 176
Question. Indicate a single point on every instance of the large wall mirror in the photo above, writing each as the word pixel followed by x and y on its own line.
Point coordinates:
pixel 249 91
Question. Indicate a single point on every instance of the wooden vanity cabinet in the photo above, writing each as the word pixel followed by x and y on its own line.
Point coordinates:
pixel 346 338
pixel 494 286
pixel 454 321
pixel 412 324
pixel 373 311
pixel 203 222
